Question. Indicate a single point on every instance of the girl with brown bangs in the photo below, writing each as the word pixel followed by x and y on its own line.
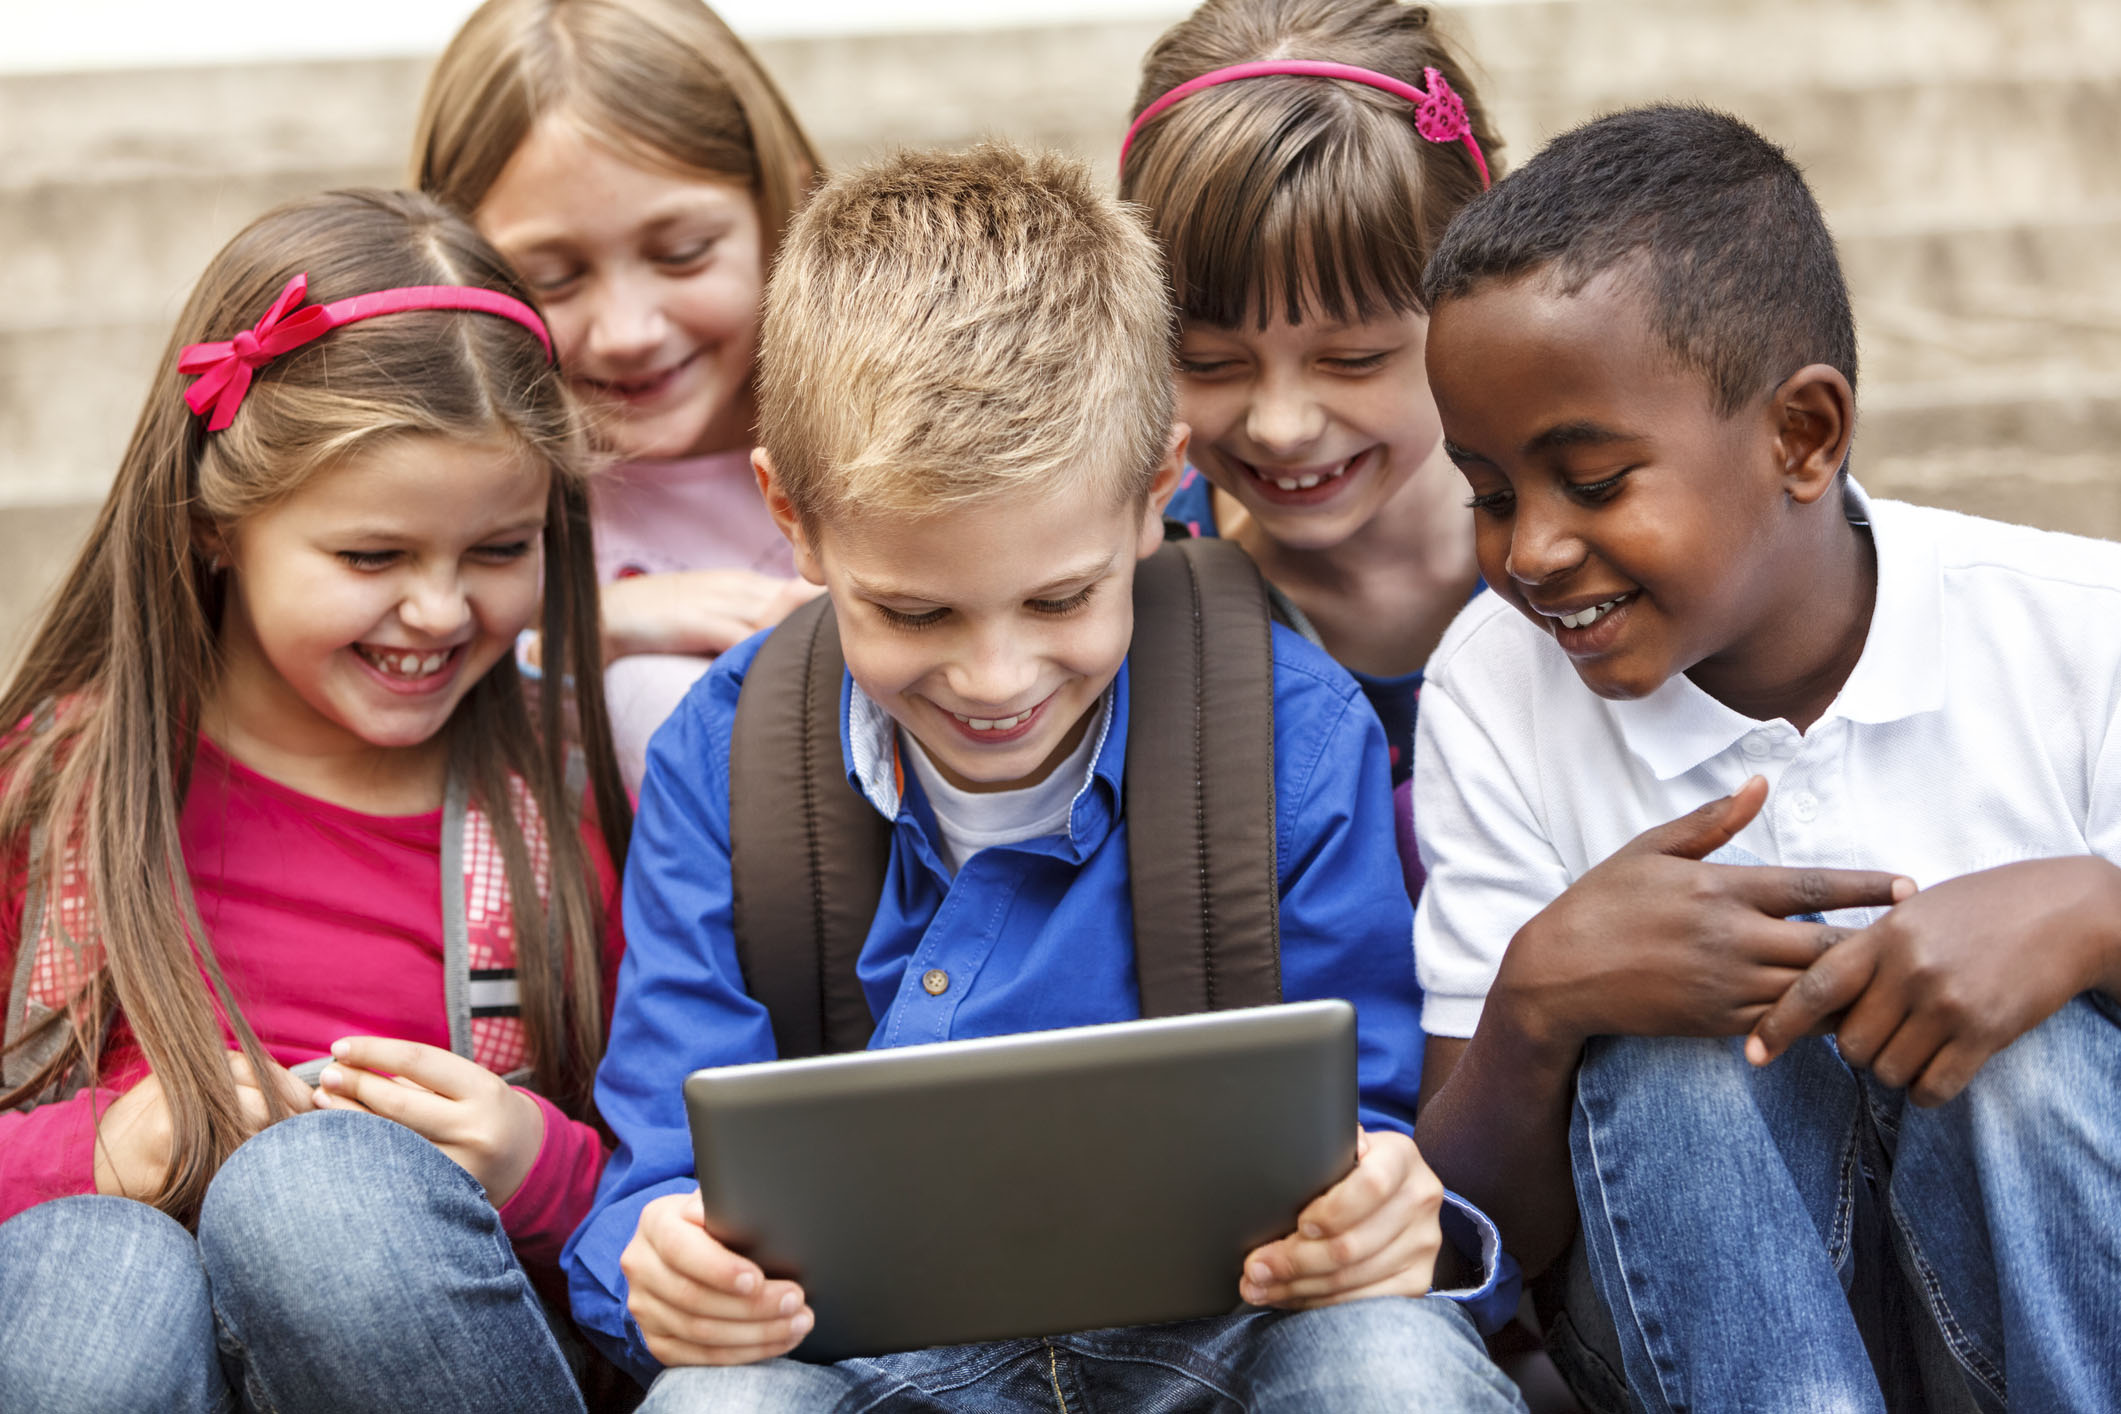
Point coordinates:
pixel 636 165
pixel 1299 159
pixel 306 928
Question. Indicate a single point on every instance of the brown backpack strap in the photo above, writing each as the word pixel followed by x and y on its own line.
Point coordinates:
pixel 1200 782
pixel 807 852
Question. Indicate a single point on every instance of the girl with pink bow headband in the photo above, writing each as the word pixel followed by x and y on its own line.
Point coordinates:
pixel 304 924
pixel 1299 159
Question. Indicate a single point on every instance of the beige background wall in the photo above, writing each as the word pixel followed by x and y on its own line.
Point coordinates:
pixel 1968 153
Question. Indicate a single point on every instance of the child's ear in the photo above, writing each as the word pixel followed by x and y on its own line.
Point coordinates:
pixel 209 543
pixel 1169 472
pixel 1814 415
pixel 783 512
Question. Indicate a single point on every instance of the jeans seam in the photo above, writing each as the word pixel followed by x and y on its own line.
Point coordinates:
pixel 1658 1365
pixel 1122 1356
pixel 1955 1337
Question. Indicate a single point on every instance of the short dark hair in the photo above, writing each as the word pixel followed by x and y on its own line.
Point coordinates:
pixel 1729 245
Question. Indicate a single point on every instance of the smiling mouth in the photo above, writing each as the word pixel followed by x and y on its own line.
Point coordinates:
pixel 1283 481
pixel 405 665
pixel 1584 618
pixel 636 389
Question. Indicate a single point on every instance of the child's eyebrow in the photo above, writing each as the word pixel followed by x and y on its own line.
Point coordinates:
pixel 1460 454
pixel 1580 433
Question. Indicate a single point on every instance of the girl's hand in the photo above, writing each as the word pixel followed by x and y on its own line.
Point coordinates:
pixel 487 1125
pixel 1956 973
pixel 134 1136
pixel 697 1302
pixel 1655 942
pixel 695 611
pixel 1374 1233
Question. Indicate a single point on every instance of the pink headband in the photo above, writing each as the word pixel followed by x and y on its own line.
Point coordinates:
pixel 225 367
pixel 1439 114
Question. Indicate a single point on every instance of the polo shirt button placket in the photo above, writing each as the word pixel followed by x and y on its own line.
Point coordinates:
pixel 1757 744
pixel 1805 806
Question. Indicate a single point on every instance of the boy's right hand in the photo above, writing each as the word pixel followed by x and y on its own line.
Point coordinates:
pixel 1654 942
pixel 134 1136
pixel 697 1302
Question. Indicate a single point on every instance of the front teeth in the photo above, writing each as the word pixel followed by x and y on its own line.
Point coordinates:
pixel 406 665
pixel 994 724
pixel 1584 618
pixel 1310 479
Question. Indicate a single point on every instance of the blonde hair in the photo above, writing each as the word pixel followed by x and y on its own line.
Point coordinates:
pixel 127 653
pixel 943 327
pixel 1316 195
pixel 662 80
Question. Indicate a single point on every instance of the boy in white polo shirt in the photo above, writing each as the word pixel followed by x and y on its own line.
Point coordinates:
pixel 1717 693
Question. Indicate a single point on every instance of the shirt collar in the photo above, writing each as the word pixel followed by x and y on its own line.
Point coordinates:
pixel 869 744
pixel 1899 674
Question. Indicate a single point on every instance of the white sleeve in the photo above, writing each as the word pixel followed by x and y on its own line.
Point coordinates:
pixel 2102 815
pixel 1490 862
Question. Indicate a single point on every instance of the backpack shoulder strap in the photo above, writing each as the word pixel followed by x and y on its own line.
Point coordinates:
pixel 1200 782
pixel 807 853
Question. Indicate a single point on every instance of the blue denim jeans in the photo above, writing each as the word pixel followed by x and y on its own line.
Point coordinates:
pixel 1390 1355
pixel 1799 1237
pixel 342 1263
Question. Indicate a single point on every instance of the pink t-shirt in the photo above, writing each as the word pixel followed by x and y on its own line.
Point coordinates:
pixel 327 923
pixel 660 517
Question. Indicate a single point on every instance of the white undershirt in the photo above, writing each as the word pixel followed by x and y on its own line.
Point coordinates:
pixel 970 821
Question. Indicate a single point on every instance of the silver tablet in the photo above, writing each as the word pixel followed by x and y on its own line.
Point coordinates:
pixel 1027 1185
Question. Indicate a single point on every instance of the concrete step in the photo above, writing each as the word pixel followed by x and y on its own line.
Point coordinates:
pixel 1576 48
pixel 1915 151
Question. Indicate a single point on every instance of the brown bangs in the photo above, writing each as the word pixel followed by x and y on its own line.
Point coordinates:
pixel 1288 195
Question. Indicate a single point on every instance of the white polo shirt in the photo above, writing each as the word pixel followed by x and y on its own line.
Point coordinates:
pixel 1978 727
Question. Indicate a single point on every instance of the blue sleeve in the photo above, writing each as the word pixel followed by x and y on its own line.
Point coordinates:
pixel 680 1006
pixel 1347 929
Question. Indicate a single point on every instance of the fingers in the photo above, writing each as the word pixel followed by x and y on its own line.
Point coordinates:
pixel 1830 985
pixel 292 1092
pixel 445 1073
pixel 1377 1224
pixel 425 1113
pixel 1782 892
pixel 1703 831
pixel 697 1302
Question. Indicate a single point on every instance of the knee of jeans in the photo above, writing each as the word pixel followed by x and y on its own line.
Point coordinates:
pixel 308 1206
pixel 103 1305
pixel 2056 1082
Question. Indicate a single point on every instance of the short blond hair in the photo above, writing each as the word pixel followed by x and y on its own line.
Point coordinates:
pixel 946 327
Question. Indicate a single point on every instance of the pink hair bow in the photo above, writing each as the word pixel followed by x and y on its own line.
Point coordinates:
pixel 225 367
pixel 1439 113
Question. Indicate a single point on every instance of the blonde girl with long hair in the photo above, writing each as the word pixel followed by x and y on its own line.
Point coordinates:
pixel 635 163
pixel 306 927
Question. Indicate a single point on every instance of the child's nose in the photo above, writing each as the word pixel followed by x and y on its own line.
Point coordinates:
pixel 626 322
pixel 437 607
pixel 993 675
pixel 1283 419
pixel 1542 548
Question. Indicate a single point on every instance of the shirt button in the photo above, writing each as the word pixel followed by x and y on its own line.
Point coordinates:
pixel 1805 806
pixel 1757 744
pixel 935 981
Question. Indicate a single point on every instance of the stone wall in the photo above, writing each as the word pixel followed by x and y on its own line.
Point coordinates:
pixel 1964 150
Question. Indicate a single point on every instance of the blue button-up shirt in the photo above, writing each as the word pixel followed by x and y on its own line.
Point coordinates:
pixel 1033 935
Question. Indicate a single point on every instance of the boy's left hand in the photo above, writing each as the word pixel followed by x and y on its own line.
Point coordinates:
pixel 468 1112
pixel 1954 974
pixel 1374 1233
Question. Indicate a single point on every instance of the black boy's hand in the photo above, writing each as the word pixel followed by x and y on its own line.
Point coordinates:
pixel 1654 942
pixel 1956 973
